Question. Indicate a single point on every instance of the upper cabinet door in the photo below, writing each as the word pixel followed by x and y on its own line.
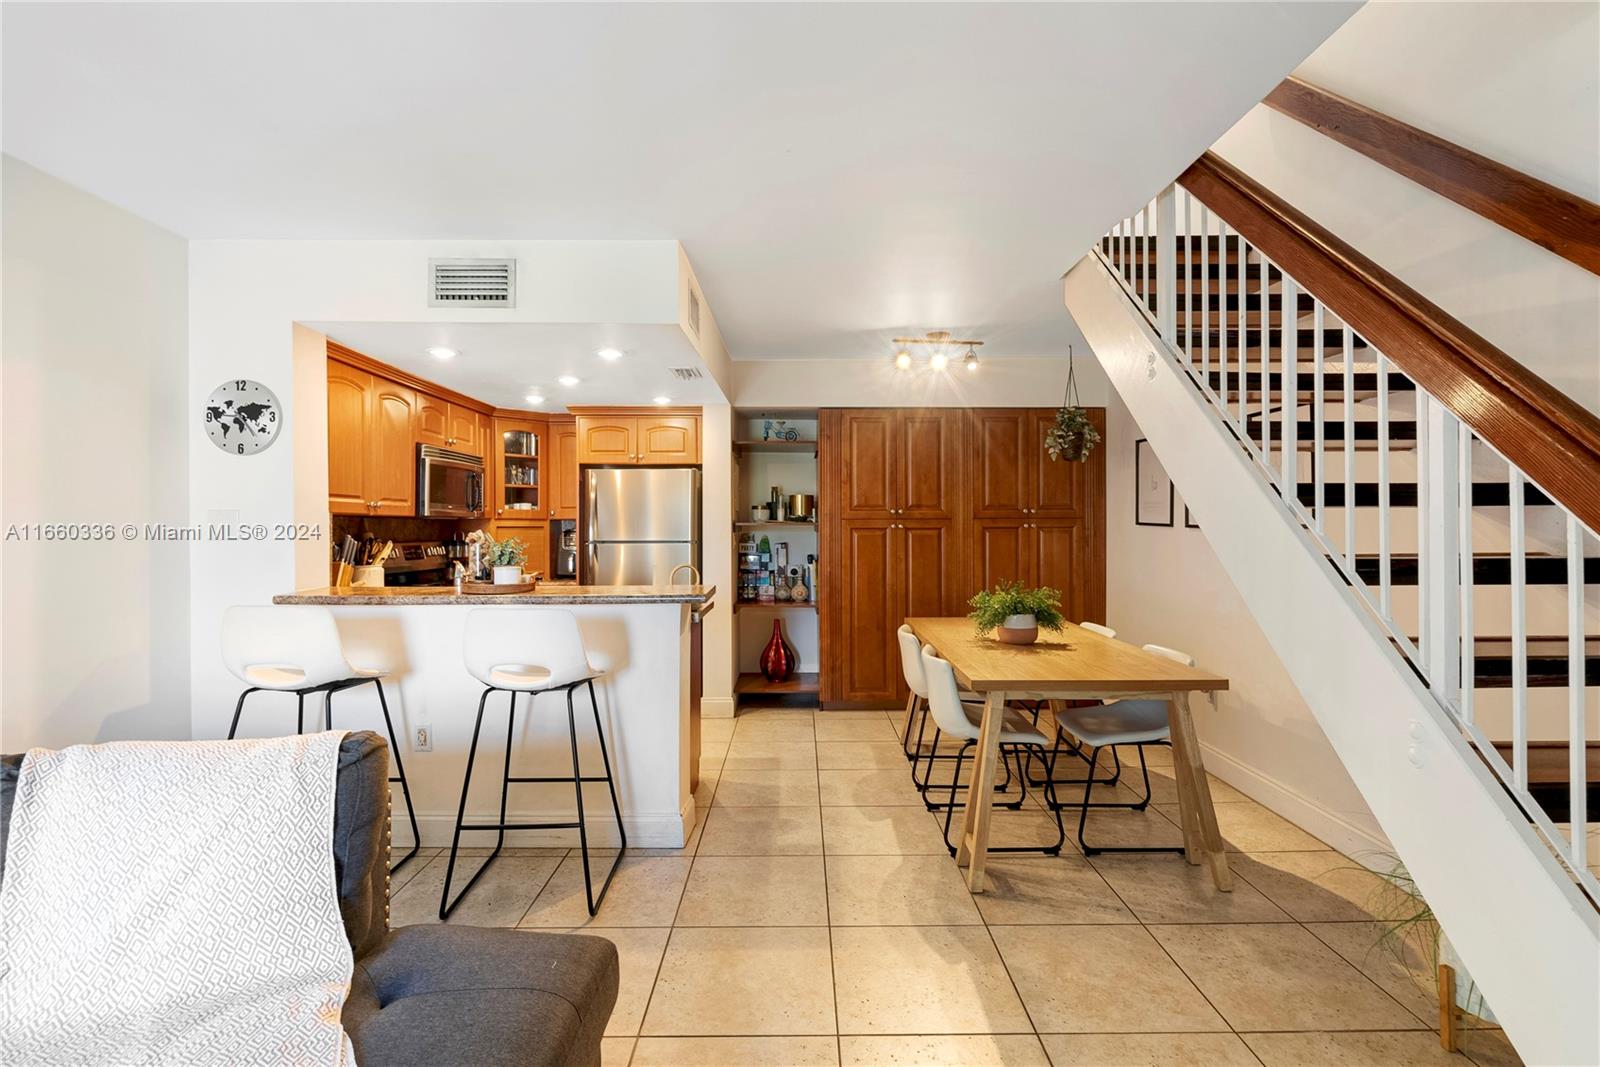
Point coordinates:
pixel 866 444
pixel 348 447
pixel 668 439
pixel 602 439
pixel 1000 444
pixel 1061 487
pixel 392 474
pixel 561 469
pixel 927 464
pixel 463 431
pixel 518 471
pixel 433 421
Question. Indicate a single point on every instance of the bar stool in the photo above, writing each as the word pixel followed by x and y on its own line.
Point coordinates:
pixel 1016 733
pixel 295 648
pixel 532 651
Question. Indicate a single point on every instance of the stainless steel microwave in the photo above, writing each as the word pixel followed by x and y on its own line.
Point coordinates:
pixel 449 484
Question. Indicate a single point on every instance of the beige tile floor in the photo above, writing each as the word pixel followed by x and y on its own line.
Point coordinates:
pixel 816 919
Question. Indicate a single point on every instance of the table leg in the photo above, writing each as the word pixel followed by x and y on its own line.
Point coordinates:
pixel 980 795
pixel 1186 763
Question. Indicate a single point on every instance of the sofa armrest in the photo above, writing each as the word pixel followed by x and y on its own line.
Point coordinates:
pixel 466 994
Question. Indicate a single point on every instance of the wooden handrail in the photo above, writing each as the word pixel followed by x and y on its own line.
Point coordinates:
pixel 1552 218
pixel 1553 439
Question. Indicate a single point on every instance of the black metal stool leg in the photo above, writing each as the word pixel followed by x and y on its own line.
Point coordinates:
pixel 1083 816
pixel 238 708
pixel 446 905
pixel 949 809
pixel 300 712
pixel 593 901
pixel 400 772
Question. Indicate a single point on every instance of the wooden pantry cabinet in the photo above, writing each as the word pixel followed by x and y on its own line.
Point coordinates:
pixel 922 507
pixel 621 438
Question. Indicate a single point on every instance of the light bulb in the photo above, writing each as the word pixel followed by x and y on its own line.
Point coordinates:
pixel 971 362
pixel 534 398
pixel 902 360
pixel 609 353
pixel 939 361
pixel 441 352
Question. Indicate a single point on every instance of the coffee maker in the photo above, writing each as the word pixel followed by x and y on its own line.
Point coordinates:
pixel 564 550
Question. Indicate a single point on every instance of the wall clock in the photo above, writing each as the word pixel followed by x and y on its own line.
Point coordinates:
pixel 243 417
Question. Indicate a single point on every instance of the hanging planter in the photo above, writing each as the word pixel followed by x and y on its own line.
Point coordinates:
pixel 1073 436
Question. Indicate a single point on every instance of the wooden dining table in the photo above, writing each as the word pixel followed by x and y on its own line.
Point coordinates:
pixel 1076 664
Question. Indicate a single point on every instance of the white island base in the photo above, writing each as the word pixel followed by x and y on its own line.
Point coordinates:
pixel 641 641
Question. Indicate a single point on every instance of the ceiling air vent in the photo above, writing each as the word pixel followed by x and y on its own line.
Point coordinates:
pixel 686 374
pixel 472 283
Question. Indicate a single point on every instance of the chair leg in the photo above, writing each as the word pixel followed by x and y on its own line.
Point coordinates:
pixel 400 771
pixel 237 709
pixel 949 809
pixel 1083 815
pixel 577 785
pixel 1144 769
pixel 1051 801
pixel 300 713
pixel 446 905
pixel 911 712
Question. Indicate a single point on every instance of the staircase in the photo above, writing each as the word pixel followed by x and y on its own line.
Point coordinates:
pixel 1436 607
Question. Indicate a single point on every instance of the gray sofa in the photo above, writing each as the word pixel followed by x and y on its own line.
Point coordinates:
pixel 440 994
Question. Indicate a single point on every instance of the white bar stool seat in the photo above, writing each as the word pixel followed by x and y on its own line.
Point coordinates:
pixel 295 648
pixel 528 651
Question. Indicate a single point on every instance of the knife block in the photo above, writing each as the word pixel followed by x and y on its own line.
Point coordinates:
pixel 369 577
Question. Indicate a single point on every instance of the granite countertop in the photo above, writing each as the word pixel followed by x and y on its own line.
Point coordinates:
pixel 547 593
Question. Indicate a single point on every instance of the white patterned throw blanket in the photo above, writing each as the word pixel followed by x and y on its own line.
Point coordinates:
pixel 174 903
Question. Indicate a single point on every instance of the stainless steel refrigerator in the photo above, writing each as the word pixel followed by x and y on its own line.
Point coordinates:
pixel 640 523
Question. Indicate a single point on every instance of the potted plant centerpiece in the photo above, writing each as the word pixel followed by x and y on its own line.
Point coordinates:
pixel 1014 613
pixel 1073 436
pixel 503 559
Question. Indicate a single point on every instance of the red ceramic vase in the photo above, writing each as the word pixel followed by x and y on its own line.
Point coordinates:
pixel 778 658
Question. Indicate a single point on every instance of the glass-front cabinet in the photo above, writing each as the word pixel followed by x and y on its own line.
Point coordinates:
pixel 518 485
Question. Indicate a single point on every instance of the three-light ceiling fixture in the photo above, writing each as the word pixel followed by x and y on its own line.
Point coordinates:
pixel 942 343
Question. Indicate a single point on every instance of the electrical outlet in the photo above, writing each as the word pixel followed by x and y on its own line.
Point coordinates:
pixel 422 739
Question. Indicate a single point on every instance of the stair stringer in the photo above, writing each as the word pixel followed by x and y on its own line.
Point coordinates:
pixel 1529 937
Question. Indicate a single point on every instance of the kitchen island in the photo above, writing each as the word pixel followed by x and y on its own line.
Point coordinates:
pixel 642 636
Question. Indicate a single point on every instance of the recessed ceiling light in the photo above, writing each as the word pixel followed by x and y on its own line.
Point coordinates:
pixel 441 352
pixel 567 380
pixel 609 353
pixel 663 400
pixel 938 361
pixel 534 398
pixel 902 360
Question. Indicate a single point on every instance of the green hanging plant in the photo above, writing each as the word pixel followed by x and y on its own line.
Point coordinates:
pixel 1073 436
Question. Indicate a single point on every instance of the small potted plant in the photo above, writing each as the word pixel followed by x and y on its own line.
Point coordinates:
pixel 1073 436
pixel 503 559
pixel 1014 613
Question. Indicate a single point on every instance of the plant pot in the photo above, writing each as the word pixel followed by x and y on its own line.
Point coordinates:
pixel 1074 450
pixel 508 576
pixel 1017 630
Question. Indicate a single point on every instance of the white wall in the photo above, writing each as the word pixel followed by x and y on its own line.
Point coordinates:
pixel 812 383
pixel 95 634
pixel 1519 83
pixel 1166 586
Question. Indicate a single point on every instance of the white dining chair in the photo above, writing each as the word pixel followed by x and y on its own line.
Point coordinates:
pixel 517 650
pixel 1113 723
pixel 295 648
pixel 1016 733
pixel 1103 631
pixel 917 682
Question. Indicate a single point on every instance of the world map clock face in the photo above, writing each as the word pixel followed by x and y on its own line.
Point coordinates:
pixel 243 417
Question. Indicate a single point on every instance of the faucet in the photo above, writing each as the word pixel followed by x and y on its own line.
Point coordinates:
pixel 672 579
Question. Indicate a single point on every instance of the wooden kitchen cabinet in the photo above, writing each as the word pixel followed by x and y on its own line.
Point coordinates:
pixel 921 508
pixel 371 450
pixel 349 400
pixel 433 421
pixel 463 430
pixel 668 440
pixel 518 472
pixel 638 440
pixel 562 482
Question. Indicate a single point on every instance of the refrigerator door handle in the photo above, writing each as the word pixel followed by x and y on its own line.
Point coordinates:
pixel 594 564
